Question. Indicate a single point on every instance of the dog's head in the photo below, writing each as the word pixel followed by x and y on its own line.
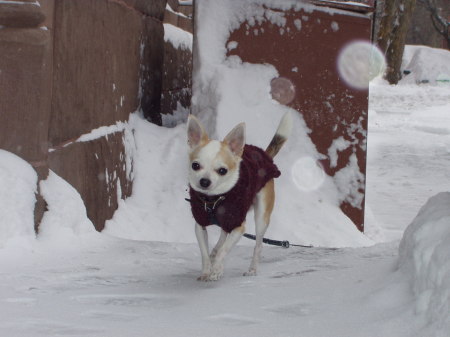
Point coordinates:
pixel 214 165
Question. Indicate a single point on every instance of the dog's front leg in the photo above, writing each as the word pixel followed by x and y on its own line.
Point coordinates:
pixel 202 238
pixel 230 241
pixel 220 242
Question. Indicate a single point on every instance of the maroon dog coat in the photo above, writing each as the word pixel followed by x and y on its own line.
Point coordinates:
pixel 230 209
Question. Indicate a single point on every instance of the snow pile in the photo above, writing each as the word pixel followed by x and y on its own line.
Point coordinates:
pixel 425 254
pixel 18 182
pixel 66 219
pixel 423 64
pixel 156 210
pixel 178 37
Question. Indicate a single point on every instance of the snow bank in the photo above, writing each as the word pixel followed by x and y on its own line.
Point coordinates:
pixel 425 65
pixel 18 182
pixel 425 255
pixel 66 220
pixel 156 210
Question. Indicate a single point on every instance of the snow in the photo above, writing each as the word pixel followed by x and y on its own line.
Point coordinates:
pixel 338 145
pixel 113 287
pixel 350 182
pixel 408 137
pixel 424 255
pixel 11 2
pixel 157 210
pixel 65 218
pixel 334 26
pixel 416 60
pixel 170 9
pixel 178 37
pixel 352 3
pixel 232 45
pixel 139 275
pixel 102 131
pixel 17 196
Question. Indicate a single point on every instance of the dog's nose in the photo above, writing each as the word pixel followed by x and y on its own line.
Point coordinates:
pixel 205 182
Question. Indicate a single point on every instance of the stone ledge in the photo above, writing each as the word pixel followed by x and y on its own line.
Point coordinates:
pixel 21 14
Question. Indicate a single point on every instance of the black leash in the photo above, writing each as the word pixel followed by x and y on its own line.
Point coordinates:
pixel 284 244
pixel 210 206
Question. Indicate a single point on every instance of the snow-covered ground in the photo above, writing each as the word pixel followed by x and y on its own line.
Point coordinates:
pixel 114 287
pixel 409 136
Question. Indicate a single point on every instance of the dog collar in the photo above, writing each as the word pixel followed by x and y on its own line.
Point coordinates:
pixel 209 205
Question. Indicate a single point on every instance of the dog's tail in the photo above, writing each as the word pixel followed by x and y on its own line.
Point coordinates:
pixel 281 135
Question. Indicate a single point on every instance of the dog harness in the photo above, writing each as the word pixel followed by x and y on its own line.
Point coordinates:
pixel 229 210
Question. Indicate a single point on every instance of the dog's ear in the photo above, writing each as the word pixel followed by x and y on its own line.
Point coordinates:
pixel 236 139
pixel 196 133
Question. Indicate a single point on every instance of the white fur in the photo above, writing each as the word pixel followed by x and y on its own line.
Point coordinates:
pixel 210 161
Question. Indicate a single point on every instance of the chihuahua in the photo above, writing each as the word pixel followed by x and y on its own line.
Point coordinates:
pixel 226 179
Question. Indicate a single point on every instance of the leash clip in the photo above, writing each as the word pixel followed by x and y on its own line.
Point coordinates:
pixel 285 244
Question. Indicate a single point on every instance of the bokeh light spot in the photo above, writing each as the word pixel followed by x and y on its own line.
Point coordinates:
pixel 360 62
pixel 282 90
pixel 307 174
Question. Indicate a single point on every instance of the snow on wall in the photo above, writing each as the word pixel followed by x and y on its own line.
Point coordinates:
pixel 424 255
pixel 18 185
pixel 178 37
pixel 102 131
pixel 338 145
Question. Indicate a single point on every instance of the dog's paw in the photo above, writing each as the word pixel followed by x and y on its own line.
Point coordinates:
pixel 214 277
pixel 250 272
pixel 216 273
pixel 203 277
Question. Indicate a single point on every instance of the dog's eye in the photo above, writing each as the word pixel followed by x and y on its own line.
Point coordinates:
pixel 195 166
pixel 222 171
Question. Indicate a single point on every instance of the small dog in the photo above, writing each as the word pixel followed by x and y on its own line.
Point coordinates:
pixel 227 178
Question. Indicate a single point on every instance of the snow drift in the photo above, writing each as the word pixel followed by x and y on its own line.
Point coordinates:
pixel 423 64
pixel 65 219
pixel 156 210
pixel 424 255
pixel 18 185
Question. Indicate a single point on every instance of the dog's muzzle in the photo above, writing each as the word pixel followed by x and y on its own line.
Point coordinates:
pixel 205 183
